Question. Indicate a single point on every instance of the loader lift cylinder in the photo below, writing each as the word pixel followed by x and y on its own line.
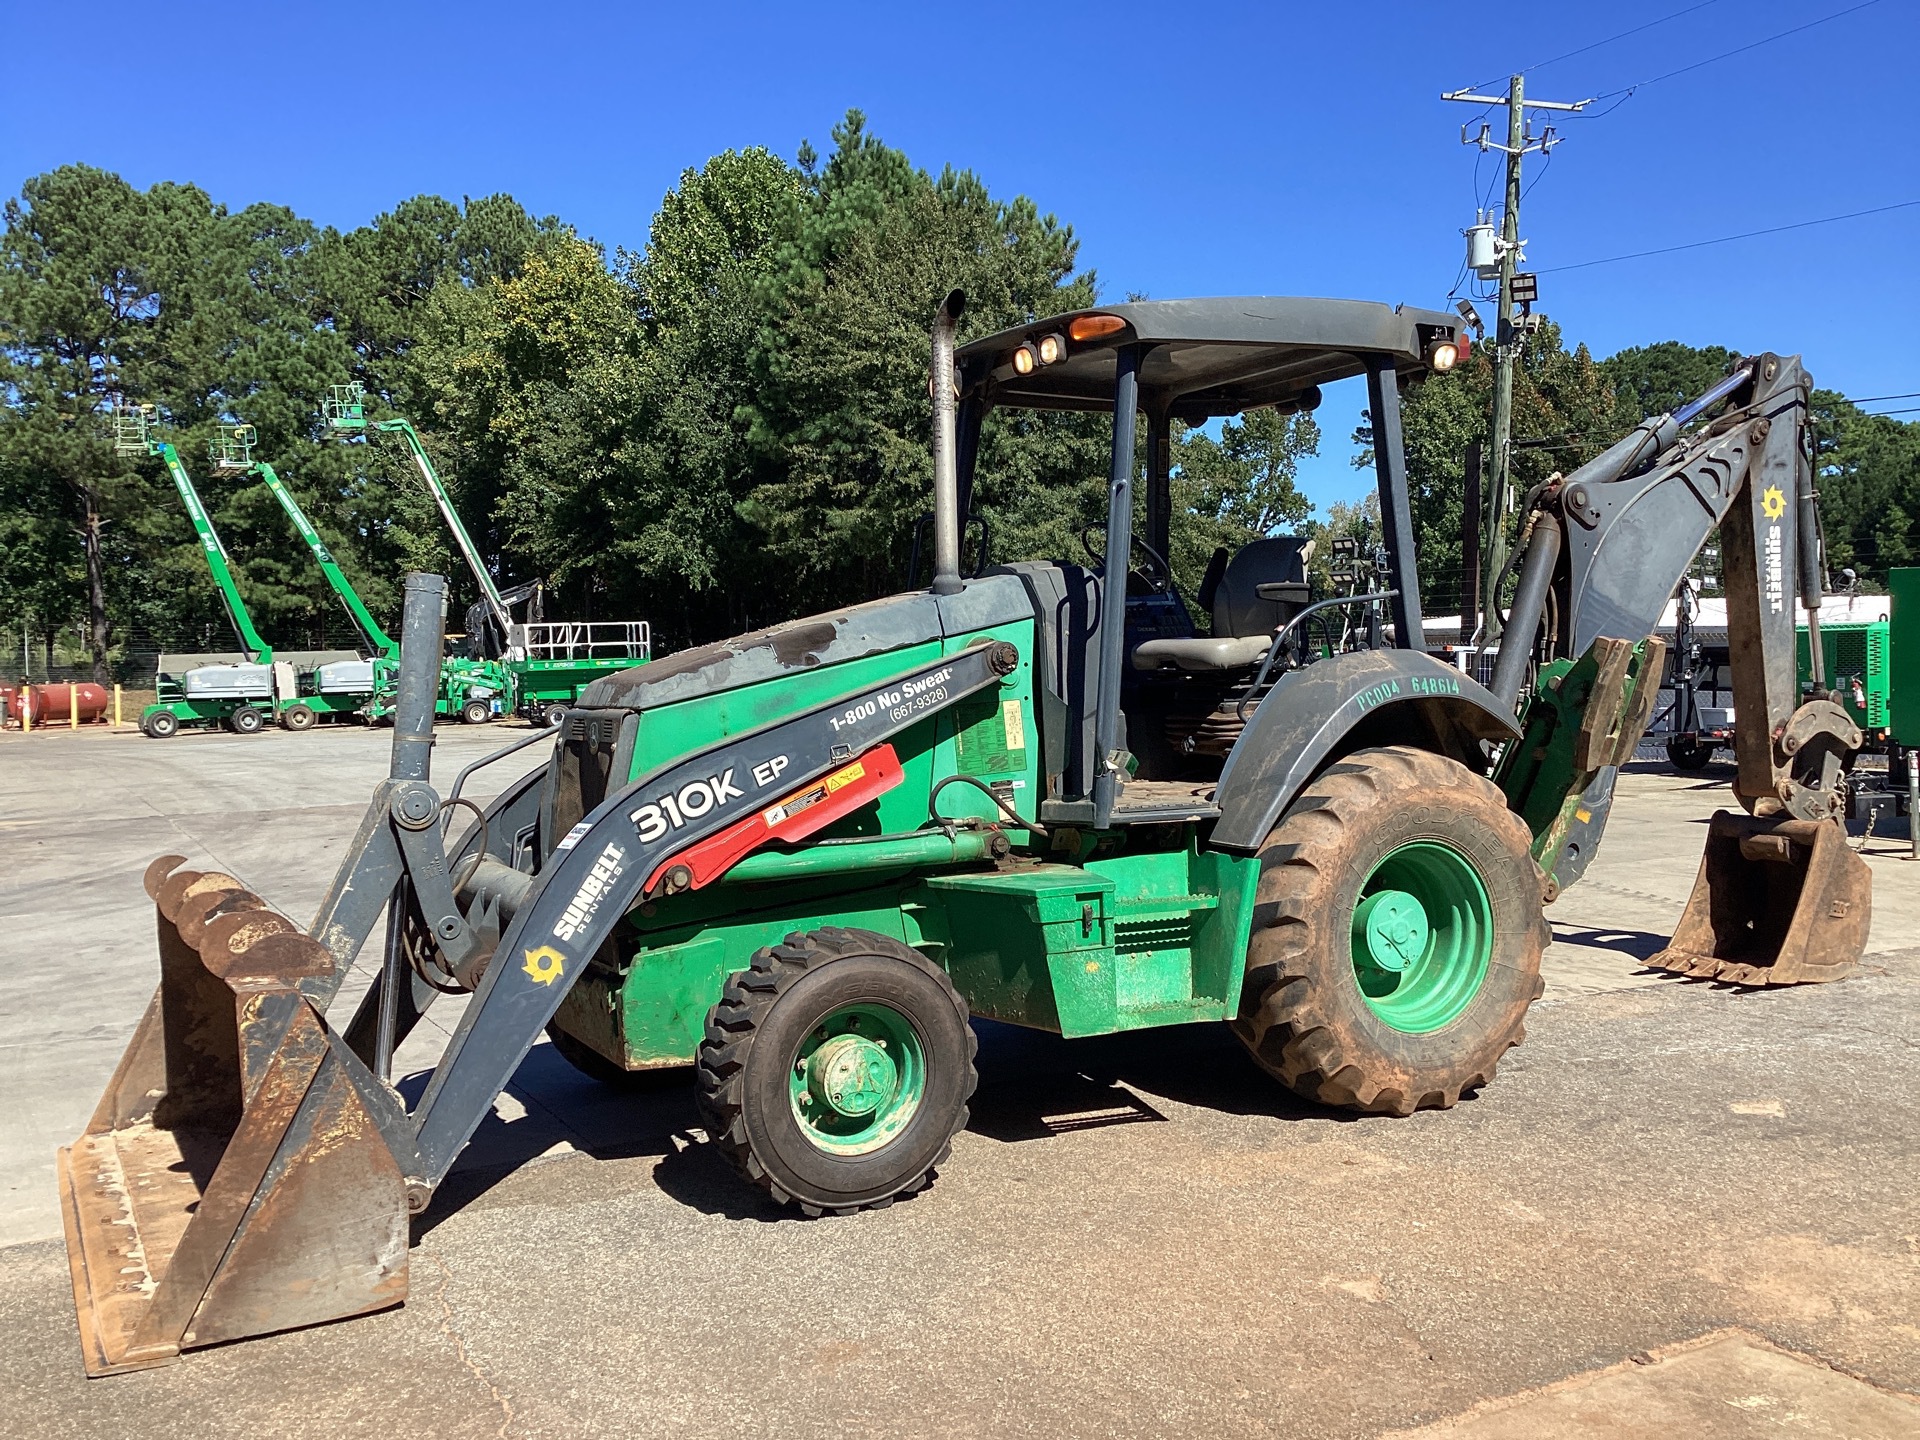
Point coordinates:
pixel 423 634
pixel 1516 640
pixel 419 679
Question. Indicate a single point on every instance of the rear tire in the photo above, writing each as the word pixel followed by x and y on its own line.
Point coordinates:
pixel 161 725
pixel 836 1070
pixel 476 712
pixel 297 717
pixel 1688 755
pixel 246 721
pixel 552 715
pixel 1397 938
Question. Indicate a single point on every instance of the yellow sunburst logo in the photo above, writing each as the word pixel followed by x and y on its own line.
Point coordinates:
pixel 1773 502
pixel 544 965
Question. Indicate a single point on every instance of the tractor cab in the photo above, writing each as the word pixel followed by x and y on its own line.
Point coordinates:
pixel 1183 672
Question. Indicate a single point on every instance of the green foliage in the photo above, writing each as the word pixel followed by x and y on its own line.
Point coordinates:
pixel 1565 411
pixel 1869 477
pixel 837 421
pixel 1654 379
pixel 722 430
pixel 1237 488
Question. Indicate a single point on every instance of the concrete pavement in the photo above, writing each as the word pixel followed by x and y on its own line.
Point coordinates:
pixel 1137 1235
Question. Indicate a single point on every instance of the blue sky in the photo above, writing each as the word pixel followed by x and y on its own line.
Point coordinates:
pixel 1196 149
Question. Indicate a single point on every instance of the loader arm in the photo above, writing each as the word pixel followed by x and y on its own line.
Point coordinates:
pixel 241 1107
pixel 1604 548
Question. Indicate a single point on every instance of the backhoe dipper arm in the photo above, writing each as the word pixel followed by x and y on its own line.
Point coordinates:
pixel 1607 545
pixel 216 556
pixel 378 641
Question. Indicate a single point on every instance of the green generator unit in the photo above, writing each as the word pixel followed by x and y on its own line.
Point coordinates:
pixel 1903 657
pixel 1856 656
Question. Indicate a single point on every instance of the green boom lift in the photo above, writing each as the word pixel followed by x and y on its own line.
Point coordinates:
pixel 342 688
pixel 365 687
pixel 476 687
pixel 795 864
pixel 548 664
pixel 241 696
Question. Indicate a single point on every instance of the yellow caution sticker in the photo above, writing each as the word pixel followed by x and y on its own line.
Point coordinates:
pixel 1773 502
pixel 545 965
pixel 846 776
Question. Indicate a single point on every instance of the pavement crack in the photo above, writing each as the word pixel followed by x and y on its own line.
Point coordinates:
pixel 459 1343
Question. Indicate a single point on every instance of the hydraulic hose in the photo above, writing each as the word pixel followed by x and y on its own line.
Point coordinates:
pixel 1013 816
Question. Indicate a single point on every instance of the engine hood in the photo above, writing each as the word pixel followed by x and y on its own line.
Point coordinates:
pixel 830 639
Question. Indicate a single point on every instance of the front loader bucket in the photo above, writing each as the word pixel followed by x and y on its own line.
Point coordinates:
pixel 1777 902
pixel 235 1178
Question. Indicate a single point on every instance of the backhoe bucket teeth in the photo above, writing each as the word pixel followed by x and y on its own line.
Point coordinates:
pixel 1777 902
pixel 238 1176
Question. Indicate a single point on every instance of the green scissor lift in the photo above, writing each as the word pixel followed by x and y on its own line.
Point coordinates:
pixel 194 699
pixel 544 667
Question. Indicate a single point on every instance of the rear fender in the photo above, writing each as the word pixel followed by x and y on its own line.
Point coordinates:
pixel 1314 716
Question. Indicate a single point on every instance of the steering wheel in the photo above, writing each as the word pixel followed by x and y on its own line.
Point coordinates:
pixel 1159 577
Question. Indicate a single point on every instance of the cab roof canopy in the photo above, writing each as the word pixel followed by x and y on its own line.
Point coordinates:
pixel 1207 357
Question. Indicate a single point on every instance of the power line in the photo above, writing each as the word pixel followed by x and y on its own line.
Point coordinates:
pixel 1728 55
pixel 1869 399
pixel 1726 239
pixel 1568 55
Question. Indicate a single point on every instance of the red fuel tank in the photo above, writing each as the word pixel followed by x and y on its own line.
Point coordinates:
pixel 55 704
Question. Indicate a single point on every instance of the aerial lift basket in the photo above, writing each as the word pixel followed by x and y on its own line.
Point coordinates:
pixel 234 1179
pixel 1777 902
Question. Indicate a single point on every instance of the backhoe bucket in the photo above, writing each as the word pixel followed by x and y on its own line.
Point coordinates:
pixel 1777 902
pixel 235 1178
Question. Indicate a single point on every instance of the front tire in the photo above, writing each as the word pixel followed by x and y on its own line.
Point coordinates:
pixel 246 721
pixel 161 725
pixel 476 712
pixel 1397 935
pixel 297 717
pixel 836 1070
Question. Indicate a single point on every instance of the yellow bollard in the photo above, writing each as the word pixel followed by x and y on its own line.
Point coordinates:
pixel 73 706
pixel 117 721
pixel 26 707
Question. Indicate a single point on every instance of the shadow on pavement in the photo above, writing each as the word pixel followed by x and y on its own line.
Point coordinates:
pixel 1640 944
pixel 1034 1086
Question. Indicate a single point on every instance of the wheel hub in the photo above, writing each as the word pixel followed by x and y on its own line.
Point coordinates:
pixel 1390 930
pixel 852 1075
pixel 1422 936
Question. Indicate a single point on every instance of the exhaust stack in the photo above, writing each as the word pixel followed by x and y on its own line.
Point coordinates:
pixel 946 450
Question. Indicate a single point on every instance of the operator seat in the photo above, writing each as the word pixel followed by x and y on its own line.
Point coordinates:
pixel 1243 619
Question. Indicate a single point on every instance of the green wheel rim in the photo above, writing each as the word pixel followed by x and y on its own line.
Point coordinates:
pixel 857 1079
pixel 1422 936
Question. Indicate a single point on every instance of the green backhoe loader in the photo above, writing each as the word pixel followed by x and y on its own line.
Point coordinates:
pixel 796 864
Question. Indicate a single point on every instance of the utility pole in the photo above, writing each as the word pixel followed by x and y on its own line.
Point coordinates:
pixel 1506 345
